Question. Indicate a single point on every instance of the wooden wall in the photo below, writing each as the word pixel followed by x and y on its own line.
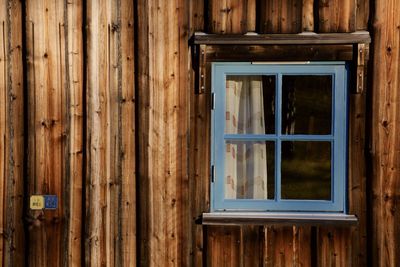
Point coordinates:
pixel 385 133
pixel 12 101
pixel 97 105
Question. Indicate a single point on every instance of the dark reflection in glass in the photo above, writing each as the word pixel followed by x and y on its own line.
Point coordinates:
pixel 250 104
pixel 306 104
pixel 249 170
pixel 306 170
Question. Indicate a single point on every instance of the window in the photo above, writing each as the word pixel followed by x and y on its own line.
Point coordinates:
pixel 279 136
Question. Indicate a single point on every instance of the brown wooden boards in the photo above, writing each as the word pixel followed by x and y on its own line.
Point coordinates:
pixel 307 20
pixel 163 105
pixel 357 166
pixel 79 99
pixel 73 133
pixel 283 39
pixel 12 243
pixel 337 15
pixel 223 246
pixel 54 71
pixel 281 16
pixel 385 141
pixel 231 16
pixel 198 187
pixel 110 185
pixel 362 14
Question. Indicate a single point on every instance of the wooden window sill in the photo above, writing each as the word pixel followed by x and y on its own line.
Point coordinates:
pixel 278 218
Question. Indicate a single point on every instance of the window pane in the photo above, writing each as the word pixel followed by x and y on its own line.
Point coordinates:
pixel 250 104
pixel 306 170
pixel 306 104
pixel 249 170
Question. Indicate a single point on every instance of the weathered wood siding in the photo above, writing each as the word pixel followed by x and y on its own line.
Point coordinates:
pixel 385 133
pixel 163 125
pixel 54 107
pixel 97 105
pixel 110 217
pixel 12 238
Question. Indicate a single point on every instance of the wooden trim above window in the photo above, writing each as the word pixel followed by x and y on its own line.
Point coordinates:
pixel 281 39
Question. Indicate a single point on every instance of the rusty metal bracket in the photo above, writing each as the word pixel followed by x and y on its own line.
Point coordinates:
pixel 362 59
pixel 199 67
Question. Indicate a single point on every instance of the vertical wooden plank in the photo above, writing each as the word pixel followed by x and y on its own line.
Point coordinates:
pixel 385 143
pixel 127 157
pixel 307 21
pixel 337 16
pixel 357 168
pixel 302 240
pixel 278 246
pixel 287 246
pixel 251 239
pixel 196 15
pixel 49 125
pixel 334 247
pixel 4 19
pixel 72 118
pixel 362 14
pixel 231 16
pixel 281 16
pixel 163 103
pixel 54 54
pixel 110 179
pixel 11 135
pixel 223 248
pixel 199 167
pixel 197 130
pixel 98 134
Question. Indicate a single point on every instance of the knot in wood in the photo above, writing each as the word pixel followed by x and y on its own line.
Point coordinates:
pixel 226 10
pixel 115 27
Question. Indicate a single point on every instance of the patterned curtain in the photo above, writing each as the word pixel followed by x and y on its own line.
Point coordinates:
pixel 245 162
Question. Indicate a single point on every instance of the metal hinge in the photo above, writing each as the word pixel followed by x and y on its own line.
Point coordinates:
pixel 212 173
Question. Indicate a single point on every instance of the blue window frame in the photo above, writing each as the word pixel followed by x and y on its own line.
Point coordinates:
pixel 287 190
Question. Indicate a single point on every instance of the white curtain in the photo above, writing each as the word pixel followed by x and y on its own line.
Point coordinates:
pixel 245 162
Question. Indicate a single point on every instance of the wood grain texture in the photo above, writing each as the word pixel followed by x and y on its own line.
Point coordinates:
pixel 163 120
pixel 287 246
pixel 357 163
pixel 337 16
pixel 223 246
pixel 385 145
pixel 307 19
pixel 199 158
pixel 281 16
pixel 54 55
pixel 362 14
pixel 110 237
pixel 72 119
pixel 196 15
pixel 231 16
pixel 198 153
pixel 127 157
pixel 334 247
pixel 12 243
pixel 251 249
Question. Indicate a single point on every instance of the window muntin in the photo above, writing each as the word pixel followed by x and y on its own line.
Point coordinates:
pixel 270 89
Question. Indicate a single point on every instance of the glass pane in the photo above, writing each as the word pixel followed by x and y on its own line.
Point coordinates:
pixel 249 170
pixel 306 104
pixel 306 170
pixel 250 104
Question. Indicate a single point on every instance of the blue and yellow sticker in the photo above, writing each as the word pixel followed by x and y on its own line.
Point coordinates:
pixel 43 202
